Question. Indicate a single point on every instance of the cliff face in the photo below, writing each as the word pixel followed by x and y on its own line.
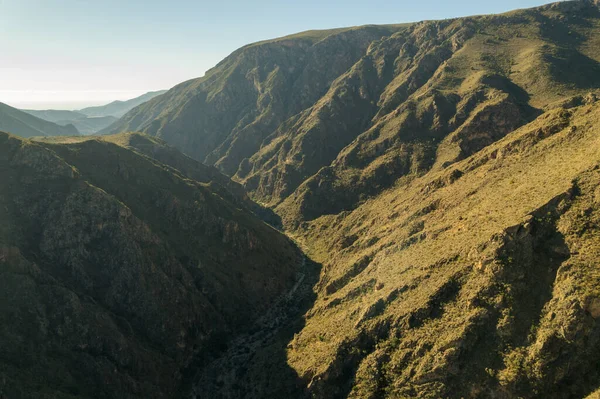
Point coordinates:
pixel 118 270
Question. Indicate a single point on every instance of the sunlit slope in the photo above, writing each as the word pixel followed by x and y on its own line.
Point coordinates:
pixel 327 119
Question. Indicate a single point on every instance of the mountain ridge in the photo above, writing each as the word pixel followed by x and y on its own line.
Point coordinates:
pixel 100 296
pixel 119 108
pixel 93 119
pixel 280 141
pixel 25 125
pixel 438 183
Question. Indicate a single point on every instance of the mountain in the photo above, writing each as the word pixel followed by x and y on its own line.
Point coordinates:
pixel 119 108
pixel 93 119
pixel 25 125
pixel 253 92
pixel 118 270
pixel 84 124
pixel 472 281
pixel 372 104
pixel 439 184
pixel 55 116
pixel 90 125
pixel 445 175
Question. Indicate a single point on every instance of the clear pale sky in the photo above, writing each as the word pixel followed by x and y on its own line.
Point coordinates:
pixel 73 53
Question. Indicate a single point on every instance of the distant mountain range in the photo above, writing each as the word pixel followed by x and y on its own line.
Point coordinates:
pixel 93 119
pixel 26 125
pixel 120 108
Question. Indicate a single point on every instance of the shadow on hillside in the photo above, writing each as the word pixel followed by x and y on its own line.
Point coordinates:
pixel 254 365
pixel 571 67
pixel 561 32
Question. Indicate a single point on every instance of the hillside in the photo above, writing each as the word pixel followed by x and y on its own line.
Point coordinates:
pixel 158 150
pixel 444 173
pixel 441 178
pixel 473 281
pixel 119 108
pixel 119 270
pixel 373 104
pixel 25 125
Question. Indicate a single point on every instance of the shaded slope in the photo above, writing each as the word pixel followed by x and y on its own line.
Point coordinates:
pixel 159 150
pixel 118 271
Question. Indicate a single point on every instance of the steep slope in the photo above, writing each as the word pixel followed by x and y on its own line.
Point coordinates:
pixel 118 271
pixel 508 72
pixel 119 108
pixel 159 150
pixel 224 116
pixel 25 125
pixel 328 119
pixel 475 281
pixel 84 124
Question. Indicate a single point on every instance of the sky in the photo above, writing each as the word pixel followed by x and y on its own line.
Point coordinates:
pixel 68 54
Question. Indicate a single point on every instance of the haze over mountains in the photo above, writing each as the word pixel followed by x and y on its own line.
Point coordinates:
pixel 93 119
pixel 436 186
pixel 119 108
pixel 26 125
